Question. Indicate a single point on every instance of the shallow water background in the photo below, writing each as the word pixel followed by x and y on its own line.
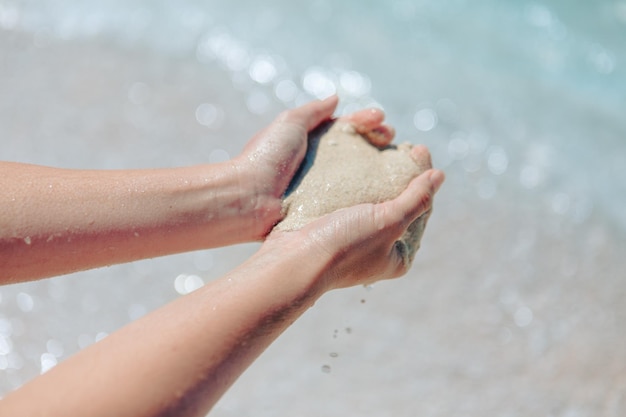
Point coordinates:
pixel 516 303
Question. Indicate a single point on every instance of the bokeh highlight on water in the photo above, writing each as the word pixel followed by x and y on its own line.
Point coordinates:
pixel 515 305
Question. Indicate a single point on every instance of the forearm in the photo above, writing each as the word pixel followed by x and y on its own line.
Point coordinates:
pixel 180 359
pixel 55 221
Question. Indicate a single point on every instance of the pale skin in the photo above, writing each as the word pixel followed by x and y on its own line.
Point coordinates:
pixel 181 358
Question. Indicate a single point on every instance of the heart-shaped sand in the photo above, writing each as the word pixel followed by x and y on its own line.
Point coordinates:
pixel 342 169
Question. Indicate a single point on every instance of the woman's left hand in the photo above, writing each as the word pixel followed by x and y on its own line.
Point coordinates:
pixel 271 158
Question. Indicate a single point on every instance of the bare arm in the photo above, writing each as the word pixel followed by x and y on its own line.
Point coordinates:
pixel 55 221
pixel 180 359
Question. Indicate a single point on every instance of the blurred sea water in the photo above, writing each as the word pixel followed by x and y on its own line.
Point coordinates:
pixel 515 305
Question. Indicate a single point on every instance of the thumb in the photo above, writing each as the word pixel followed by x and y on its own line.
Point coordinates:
pixel 416 199
pixel 310 115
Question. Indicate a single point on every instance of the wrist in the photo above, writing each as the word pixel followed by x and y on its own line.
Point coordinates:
pixel 306 267
pixel 260 208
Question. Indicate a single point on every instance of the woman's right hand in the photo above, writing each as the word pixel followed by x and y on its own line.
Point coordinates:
pixel 357 245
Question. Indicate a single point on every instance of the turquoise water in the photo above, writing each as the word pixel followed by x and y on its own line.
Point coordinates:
pixel 515 305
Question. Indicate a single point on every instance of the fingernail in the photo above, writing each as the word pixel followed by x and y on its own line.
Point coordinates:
pixel 437 178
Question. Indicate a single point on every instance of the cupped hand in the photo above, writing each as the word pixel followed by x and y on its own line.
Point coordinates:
pixel 357 245
pixel 269 161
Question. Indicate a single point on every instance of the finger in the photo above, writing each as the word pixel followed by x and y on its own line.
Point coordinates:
pixel 381 136
pixel 421 156
pixel 417 198
pixel 364 120
pixel 311 114
pixel 369 123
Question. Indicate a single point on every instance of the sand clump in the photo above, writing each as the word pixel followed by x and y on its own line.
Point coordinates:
pixel 342 169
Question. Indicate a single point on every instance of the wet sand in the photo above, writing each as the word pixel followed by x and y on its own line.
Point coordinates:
pixel 342 169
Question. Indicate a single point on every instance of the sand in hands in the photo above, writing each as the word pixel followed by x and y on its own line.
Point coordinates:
pixel 342 169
